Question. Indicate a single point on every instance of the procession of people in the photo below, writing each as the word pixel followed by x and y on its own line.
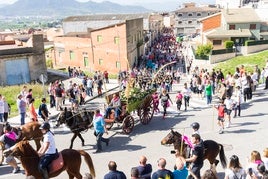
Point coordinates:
pixel 226 94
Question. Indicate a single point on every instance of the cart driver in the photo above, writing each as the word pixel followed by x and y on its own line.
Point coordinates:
pixel 114 104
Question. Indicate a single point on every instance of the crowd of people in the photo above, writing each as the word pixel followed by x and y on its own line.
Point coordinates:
pixel 232 90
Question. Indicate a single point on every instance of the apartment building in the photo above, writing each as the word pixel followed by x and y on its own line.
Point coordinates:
pixel 187 18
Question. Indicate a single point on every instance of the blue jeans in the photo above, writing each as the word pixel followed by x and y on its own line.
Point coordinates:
pixel 100 139
pixel 46 160
pixel 22 118
pixel 108 111
pixel 209 99
pixel 1 117
pixel 89 91
pixel 196 171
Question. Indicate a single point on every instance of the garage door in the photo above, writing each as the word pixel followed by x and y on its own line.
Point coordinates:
pixel 17 71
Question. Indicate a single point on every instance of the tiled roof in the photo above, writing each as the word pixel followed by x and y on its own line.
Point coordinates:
pixel 197 9
pixel 228 33
pixel 240 15
pixel 103 17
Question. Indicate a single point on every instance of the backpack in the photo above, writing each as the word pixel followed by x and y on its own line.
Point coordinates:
pixel 40 110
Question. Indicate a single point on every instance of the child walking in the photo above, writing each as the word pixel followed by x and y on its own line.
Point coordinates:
pixel 221 111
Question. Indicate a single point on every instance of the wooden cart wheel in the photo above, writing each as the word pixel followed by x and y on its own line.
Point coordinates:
pixel 128 124
pixel 2 148
pixel 146 110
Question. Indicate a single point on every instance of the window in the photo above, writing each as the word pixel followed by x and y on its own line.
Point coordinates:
pixel 252 26
pixel 86 61
pixel 216 42
pixel 116 40
pixel 180 22
pixel 198 14
pixel 232 27
pixel 179 15
pixel 190 14
pixel 72 56
pixel 190 22
pixel 99 38
pixel 117 64
pixel 100 61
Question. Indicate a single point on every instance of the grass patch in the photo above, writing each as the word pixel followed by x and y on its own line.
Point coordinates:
pixel 11 92
pixel 248 61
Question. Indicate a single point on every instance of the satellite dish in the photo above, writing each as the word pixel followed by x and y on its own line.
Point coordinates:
pixel 43 78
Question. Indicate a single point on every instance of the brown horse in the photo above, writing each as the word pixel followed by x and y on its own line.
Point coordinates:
pixel 77 122
pixel 71 161
pixel 212 148
pixel 28 131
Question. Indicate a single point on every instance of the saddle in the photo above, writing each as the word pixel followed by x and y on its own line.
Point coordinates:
pixel 56 164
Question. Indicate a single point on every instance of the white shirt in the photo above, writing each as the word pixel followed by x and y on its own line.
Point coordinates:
pixel 265 161
pixel 186 92
pixel 2 107
pixel 48 137
pixel 239 173
pixel 228 103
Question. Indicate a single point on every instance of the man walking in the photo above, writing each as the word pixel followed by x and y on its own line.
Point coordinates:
pixel 21 104
pixel 99 130
pixel 197 156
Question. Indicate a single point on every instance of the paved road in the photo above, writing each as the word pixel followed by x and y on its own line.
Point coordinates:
pixel 246 133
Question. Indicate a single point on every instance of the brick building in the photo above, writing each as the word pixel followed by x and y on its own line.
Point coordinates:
pixel 113 46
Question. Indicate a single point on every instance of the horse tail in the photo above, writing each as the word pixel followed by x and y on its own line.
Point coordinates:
pixel 222 156
pixel 89 162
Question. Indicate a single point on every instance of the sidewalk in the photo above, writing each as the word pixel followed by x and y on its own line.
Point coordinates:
pixel 107 87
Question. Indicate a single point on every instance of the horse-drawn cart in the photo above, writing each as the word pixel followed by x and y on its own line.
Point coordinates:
pixel 132 99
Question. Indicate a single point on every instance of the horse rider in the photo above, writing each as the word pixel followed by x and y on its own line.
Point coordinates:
pixel 9 139
pixel 196 159
pixel 114 104
pixel 48 151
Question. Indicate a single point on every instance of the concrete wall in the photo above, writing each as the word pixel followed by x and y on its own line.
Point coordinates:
pixel 221 57
pixel 245 50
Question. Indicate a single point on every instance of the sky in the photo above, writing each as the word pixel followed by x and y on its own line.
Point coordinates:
pixel 154 4
pixel 124 2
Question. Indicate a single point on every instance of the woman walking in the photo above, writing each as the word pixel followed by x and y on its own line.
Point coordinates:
pixel 165 98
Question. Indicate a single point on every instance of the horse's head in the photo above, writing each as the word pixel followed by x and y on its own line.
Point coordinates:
pixel 171 138
pixel 22 148
pixel 63 117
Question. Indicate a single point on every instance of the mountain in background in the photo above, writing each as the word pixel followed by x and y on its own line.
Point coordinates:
pixel 63 8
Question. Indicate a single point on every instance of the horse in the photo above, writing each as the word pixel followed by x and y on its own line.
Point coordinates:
pixel 28 131
pixel 69 160
pixel 77 122
pixel 212 148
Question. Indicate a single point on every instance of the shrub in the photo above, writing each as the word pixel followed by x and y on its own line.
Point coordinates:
pixel 228 44
pixel 49 63
pixel 203 51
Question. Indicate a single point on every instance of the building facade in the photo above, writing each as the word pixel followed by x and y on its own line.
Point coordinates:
pixel 22 64
pixel 113 48
pixel 187 18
